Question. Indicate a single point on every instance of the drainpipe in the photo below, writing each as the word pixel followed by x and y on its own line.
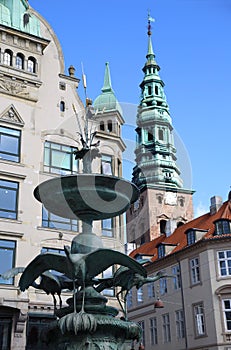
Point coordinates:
pixel 183 305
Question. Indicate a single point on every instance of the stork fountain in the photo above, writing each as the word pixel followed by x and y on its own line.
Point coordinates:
pixel 87 322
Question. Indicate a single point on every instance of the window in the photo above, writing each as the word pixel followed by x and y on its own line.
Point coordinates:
pixel 161 251
pixel 224 263
pixel 107 227
pixel 10 140
pixel 226 303
pixel 195 271
pixel 31 65
pixel 129 299
pixel 163 286
pixel 101 126
pixel 7 258
pixel 223 227
pixel 180 327
pixel 57 222
pixel 108 273
pixel 177 279
pixel 163 226
pixel 156 90
pixel 151 290
pixel 62 85
pixel 19 61
pixel 7 57
pixel 36 325
pixel 59 159
pixel 109 126
pixel 166 328
pixel 153 331
pixel 149 90
pixel 106 165
pixel 5 332
pixel 161 134
pixel 150 136
pixel 8 199
pixel 62 106
pixel 140 295
pixel 53 250
pixel 199 319
pixel 191 237
pixel 142 326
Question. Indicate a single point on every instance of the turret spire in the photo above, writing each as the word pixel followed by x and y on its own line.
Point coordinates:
pixel 107 87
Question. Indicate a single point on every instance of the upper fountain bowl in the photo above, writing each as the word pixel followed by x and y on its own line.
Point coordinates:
pixel 87 196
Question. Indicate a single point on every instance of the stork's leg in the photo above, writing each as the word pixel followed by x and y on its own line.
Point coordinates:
pixel 119 301
pixel 60 301
pixel 55 302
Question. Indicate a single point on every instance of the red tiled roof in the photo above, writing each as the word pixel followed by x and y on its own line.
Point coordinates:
pixel 179 238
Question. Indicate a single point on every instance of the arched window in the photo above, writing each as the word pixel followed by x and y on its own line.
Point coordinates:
pixel 31 65
pixel 156 90
pixel 62 106
pixel 20 61
pixel 149 90
pixel 7 57
pixel 180 223
pixel 109 126
pixel 101 126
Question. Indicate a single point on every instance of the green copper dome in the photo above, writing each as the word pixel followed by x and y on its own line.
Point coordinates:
pixel 16 14
pixel 107 100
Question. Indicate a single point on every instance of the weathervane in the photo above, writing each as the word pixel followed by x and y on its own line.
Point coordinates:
pixel 150 19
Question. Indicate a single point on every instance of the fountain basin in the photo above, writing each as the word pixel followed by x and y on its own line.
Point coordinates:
pixel 87 196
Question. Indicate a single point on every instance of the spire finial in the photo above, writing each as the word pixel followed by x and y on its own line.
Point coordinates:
pixel 150 19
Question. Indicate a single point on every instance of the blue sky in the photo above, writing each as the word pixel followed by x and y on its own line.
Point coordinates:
pixel 191 40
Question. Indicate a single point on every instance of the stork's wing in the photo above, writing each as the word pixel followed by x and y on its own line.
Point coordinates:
pixel 40 264
pixel 99 260
pixel 12 272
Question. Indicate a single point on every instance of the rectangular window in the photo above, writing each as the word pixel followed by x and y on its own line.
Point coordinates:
pixel 195 270
pixel 226 303
pixel 224 263
pixel 161 251
pixel 142 326
pixel 57 222
pixel 151 290
pixel 163 286
pixel 8 199
pixel 166 328
pixel 10 140
pixel 180 327
pixel 140 295
pixel 108 273
pixel 177 279
pixel 106 165
pixel 153 331
pixel 107 228
pixel 59 159
pixel 5 332
pixel 191 237
pixel 7 259
pixel 199 319
pixel 129 299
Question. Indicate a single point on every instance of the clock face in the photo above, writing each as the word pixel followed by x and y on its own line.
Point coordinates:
pixel 171 198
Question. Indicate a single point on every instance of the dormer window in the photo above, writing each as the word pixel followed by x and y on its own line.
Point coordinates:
pixel 161 251
pixel 222 227
pixel 194 235
pixel 191 237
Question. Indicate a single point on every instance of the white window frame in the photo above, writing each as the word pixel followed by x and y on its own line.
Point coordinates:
pixel 180 325
pixel 199 319
pixel 224 263
pixel 176 279
pixel 195 271
pixel 153 331
pixel 166 328
pixel 227 314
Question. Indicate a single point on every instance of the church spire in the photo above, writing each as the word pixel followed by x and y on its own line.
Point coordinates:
pixel 107 87
pixel 155 151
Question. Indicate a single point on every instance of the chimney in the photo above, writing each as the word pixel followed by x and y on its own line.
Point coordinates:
pixel 216 203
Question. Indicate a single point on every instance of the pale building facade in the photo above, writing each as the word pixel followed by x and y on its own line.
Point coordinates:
pixel 197 299
pixel 38 134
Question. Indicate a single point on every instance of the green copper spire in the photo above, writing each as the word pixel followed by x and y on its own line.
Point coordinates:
pixel 107 101
pixel 16 14
pixel 107 80
pixel 155 151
